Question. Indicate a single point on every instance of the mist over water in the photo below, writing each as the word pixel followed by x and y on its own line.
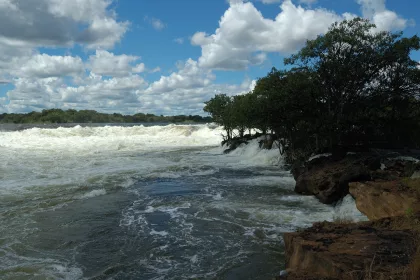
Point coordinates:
pixel 145 202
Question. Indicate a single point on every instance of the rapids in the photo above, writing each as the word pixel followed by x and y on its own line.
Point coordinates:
pixel 145 202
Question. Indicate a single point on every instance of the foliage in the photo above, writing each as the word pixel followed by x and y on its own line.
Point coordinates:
pixel 353 86
pixel 91 116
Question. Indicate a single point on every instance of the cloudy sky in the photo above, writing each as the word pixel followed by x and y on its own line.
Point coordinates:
pixel 162 56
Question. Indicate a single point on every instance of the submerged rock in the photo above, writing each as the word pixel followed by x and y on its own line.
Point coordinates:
pixel 267 142
pixel 350 251
pixel 386 199
pixel 234 143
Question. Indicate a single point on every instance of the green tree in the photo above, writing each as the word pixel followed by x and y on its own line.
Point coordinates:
pixel 354 64
pixel 221 110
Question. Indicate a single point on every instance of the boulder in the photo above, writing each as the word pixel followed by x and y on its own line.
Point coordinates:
pixel 401 166
pixel 386 199
pixel 328 179
pixel 267 142
pixel 366 250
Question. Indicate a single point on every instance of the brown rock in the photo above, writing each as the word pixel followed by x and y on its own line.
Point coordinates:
pixel 386 199
pixel 401 167
pixel 328 181
pixel 349 251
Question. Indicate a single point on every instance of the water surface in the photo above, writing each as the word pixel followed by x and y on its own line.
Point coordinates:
pixel 144 202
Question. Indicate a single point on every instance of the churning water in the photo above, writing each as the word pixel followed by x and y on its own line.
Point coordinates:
pixel 145 202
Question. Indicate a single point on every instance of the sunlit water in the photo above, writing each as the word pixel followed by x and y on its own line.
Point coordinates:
pixel 145 202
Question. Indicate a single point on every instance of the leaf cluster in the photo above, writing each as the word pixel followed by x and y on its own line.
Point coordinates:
pixel 350 87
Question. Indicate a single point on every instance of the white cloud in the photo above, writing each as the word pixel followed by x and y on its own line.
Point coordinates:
pixel 60 23
pixel 96 92
pixel 189 100
pixel 154 70
pixel 185 91
pixel 45 66
pixel 155 22
pixel 179 41
pixel 388 20
pixel 270 1
pixel 384 19
pixel 244 34
pixel 307 2
pixel 7 5
pixel 200 38
pixel 111 82
pixel 190 75
pixel 31 94
pixel 106 63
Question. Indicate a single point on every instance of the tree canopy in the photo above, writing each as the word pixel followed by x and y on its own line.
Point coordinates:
pixel 352 86
pixel 92 116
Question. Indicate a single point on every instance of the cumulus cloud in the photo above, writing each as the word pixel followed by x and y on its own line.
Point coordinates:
pixel 33 94
pixel 155 22
pixel 307 2
pixel 109 64
pixel 189 75
pixel 270 1
pixel 60 23
pixel 45 66
pixel 384 19
pixel 98 89
pixel 189 99
pixel 95 92
pixel 244 35
pixel 111 82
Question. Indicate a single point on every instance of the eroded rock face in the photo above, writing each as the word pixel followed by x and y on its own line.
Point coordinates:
pixel 328 179
pixel 347 251
pixel 386 199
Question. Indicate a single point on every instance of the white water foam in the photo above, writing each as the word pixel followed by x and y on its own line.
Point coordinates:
pixel 111 138
pixel 94 193
pixel 95 155
pixel 160 233
pixel 346 210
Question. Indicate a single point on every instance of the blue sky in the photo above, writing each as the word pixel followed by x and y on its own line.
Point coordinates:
pixel 162 56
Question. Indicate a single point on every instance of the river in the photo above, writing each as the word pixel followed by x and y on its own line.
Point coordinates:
pixel 145 202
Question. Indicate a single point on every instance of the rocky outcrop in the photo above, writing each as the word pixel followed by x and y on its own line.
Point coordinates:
pixel 328 179
pixel 387 191
pixel 386 199
pixel 350 251
pixel 401 167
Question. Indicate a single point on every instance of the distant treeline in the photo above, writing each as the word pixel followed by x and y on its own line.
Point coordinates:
pixel 91 116
pixel 352 87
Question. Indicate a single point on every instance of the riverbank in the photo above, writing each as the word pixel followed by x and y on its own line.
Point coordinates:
pixel 386 188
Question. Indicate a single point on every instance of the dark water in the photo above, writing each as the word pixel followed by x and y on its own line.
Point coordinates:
pixel 158 202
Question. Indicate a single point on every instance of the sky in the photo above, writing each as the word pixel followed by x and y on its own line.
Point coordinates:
pixel 161 56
